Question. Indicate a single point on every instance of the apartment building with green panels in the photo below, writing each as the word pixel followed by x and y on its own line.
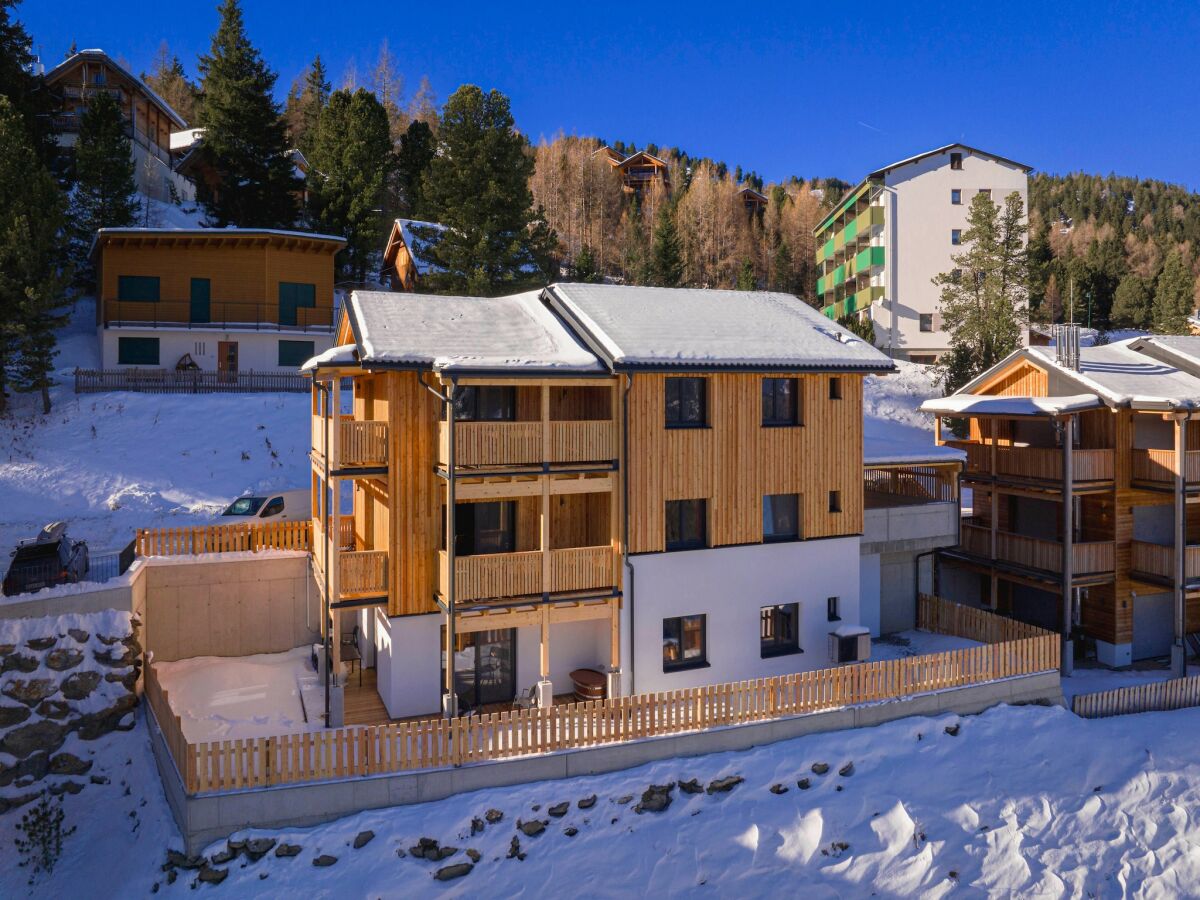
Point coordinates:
pixel 850 253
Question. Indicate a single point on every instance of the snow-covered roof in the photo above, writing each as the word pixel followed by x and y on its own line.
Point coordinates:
pixel 669 328
pixel 879 450
pixel 423 266
pixel 341 355
pixel 992 405
pixel 231 232
pixel 465 334
pixel 100 55
pixel 1124 374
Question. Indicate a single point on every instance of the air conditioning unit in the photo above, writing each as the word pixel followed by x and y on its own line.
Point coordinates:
pixel 850 644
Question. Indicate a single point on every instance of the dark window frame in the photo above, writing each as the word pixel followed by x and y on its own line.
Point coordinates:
pixel 778 643
pixel 474 403
pixel 677 514
pixel 835 501
pixel 674 629
pixel 925 322
pixel 771 391
pixel 955 237
pixel 956 196
pixel 674 406
pixel 956 160
pixel 780 537
pixel 833 609
pixel 835 387
pixel 467 532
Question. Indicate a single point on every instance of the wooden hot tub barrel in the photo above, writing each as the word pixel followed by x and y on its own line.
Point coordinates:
pixel 589 684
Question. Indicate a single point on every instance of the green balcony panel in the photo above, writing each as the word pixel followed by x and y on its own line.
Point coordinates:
pixel 820 286
pixel 839 275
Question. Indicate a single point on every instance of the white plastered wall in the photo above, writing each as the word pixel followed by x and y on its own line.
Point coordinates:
pixel 258 351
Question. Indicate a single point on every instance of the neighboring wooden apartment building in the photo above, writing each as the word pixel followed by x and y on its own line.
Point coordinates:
pixel 1085 470
pixel 665 486
pixel 229 299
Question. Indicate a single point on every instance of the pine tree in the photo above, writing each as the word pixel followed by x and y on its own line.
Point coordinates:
pixel 584 266
pixel 477 186
pixel 984 307
pixel 1173 301
pixel 1131 303
pixel 105 195
pixel 23 90
pixel 352 151
pixel 417 146
pixel 782 278
pixel 169 80
pixel 307 97
pixel 666 256
pixel 746 279
pixel 245 139
pixel 863 327
pixel 33 277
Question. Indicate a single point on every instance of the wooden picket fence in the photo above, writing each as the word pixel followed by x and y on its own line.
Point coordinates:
pixel 198 539
pixel 1155 696
pixel 436 743
pixel 947 617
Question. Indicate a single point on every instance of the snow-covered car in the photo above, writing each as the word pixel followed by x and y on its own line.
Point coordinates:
pixel 280 506
pixel 50 558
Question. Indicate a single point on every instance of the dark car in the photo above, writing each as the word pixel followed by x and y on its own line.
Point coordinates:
pixel 50 558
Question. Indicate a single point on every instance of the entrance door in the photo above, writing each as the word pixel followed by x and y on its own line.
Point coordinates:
pixel 227 356
pixel 200 311
pixel 485 667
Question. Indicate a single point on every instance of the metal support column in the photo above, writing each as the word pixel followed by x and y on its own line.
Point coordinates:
pixel 1068 544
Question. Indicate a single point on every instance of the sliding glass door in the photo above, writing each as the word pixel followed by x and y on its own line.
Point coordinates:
pixel 484 667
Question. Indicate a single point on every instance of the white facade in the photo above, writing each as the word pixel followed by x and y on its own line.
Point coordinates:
pixel 257 351
pixel 919 219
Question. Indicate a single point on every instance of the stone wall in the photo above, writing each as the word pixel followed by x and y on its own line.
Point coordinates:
pixel 62 677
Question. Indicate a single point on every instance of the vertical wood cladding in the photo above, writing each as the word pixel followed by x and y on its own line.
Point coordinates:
pixel 734 461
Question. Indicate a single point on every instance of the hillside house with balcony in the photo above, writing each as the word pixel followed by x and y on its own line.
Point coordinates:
pixel 1085 471
pixel 227 300
pixel 639 171
pixel 149 119
pixel 632 489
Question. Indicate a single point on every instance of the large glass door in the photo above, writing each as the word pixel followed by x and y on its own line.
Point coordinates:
pixel 485 665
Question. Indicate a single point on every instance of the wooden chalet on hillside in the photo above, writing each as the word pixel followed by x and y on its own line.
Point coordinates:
pixel 403 264
pixel 639 171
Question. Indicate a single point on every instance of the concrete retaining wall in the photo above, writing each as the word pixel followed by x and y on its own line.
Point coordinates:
pixel 207 818
pixel 128 592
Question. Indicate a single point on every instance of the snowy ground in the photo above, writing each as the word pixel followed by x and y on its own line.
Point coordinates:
pixel 1091 680
pixel 904 644
pixel 1024 801
pixel 218 698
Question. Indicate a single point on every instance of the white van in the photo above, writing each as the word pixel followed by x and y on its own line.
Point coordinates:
pixel 280 506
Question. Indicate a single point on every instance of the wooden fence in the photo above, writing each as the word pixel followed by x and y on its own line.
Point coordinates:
pixel 1155 696
pixel 434 743
pixel 946 617
pixel 168 381
pixel 198 539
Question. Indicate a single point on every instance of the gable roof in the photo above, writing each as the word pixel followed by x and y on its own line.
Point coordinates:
pixel 422 265
pixel 215 235
pixel 518 334
pixel 975 151
pixel 695 329
pixel 100 56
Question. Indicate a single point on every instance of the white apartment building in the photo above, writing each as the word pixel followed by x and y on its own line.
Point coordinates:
pixel 880 248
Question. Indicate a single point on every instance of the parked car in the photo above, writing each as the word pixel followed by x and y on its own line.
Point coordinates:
pixel 50 558
pixel 281 506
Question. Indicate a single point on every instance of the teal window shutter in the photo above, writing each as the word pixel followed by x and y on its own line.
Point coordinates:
pixel 293 354
pixel 135 351
pixel 292 296
pixel 138 288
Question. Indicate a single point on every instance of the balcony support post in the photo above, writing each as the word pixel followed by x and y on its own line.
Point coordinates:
pixel 1179 570
pixel 545 691
pixel 449 698
pixel 1068 545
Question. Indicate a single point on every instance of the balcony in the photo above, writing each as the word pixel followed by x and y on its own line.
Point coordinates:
pixel 362 573
pixel 361 444
pixel 218 315
pixel 1036 463
pixel 495 575
pixel 523 443
pixel 1156 562
pixel 1088 557
pixel 1157 467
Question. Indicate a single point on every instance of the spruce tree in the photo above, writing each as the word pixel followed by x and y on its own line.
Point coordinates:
pixel 1173 297
pixel 1131 303
pixel 666 256
pixel 782 278
pixel 416 149
pixel 307 97
pixel 746 279
pixel 477 186
pixel 984 307
pixel 584 266
pixel 24 91
pixel 105 195
pixel 353 152
pixel 33 276
pixel 245 139
pixel 169 80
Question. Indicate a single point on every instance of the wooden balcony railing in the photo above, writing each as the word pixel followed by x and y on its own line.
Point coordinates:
pixel 1158 466
pixel 492 575
pixel 521 443
pixel 362 572
pixel 363 443
pixel 1088 557
pixel 1158 560
pixel 1037 463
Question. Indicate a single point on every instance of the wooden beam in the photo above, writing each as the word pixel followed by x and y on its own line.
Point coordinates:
pixel 561 614
pixel 501 618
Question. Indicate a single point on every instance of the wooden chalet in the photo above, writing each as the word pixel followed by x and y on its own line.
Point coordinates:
pixel 1085 470
pixel 403 265
pixel 754 201
pixel 639 171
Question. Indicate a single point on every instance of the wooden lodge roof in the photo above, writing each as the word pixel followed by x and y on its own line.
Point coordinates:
pixel 213 237
pixel 63 69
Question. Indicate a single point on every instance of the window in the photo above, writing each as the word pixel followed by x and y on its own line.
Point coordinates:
pixel 927 321
pixel 293 296
pixel 956 160
pixel 686 402
pixel 295 353
pixel 687 524
pixel 274 508
pixel 835 388
pixel 831 609
pixel 780 402
pixel 133 351
pixel 835 501
pixel 923 359
pixel 684 645
pixel 496 403
pixel 779 630
pixel 781 517
pixel 485 527
pixel 956 196
pixel 955 236
pixel 987 192
pixel 137 288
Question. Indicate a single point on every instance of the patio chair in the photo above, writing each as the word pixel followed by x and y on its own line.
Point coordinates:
pixel 526 699
pixel 349 652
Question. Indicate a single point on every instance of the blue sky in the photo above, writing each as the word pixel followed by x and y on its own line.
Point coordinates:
pixel 832 89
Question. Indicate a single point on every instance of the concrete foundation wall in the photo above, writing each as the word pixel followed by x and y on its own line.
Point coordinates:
pixel 207 818
pixel 125 593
